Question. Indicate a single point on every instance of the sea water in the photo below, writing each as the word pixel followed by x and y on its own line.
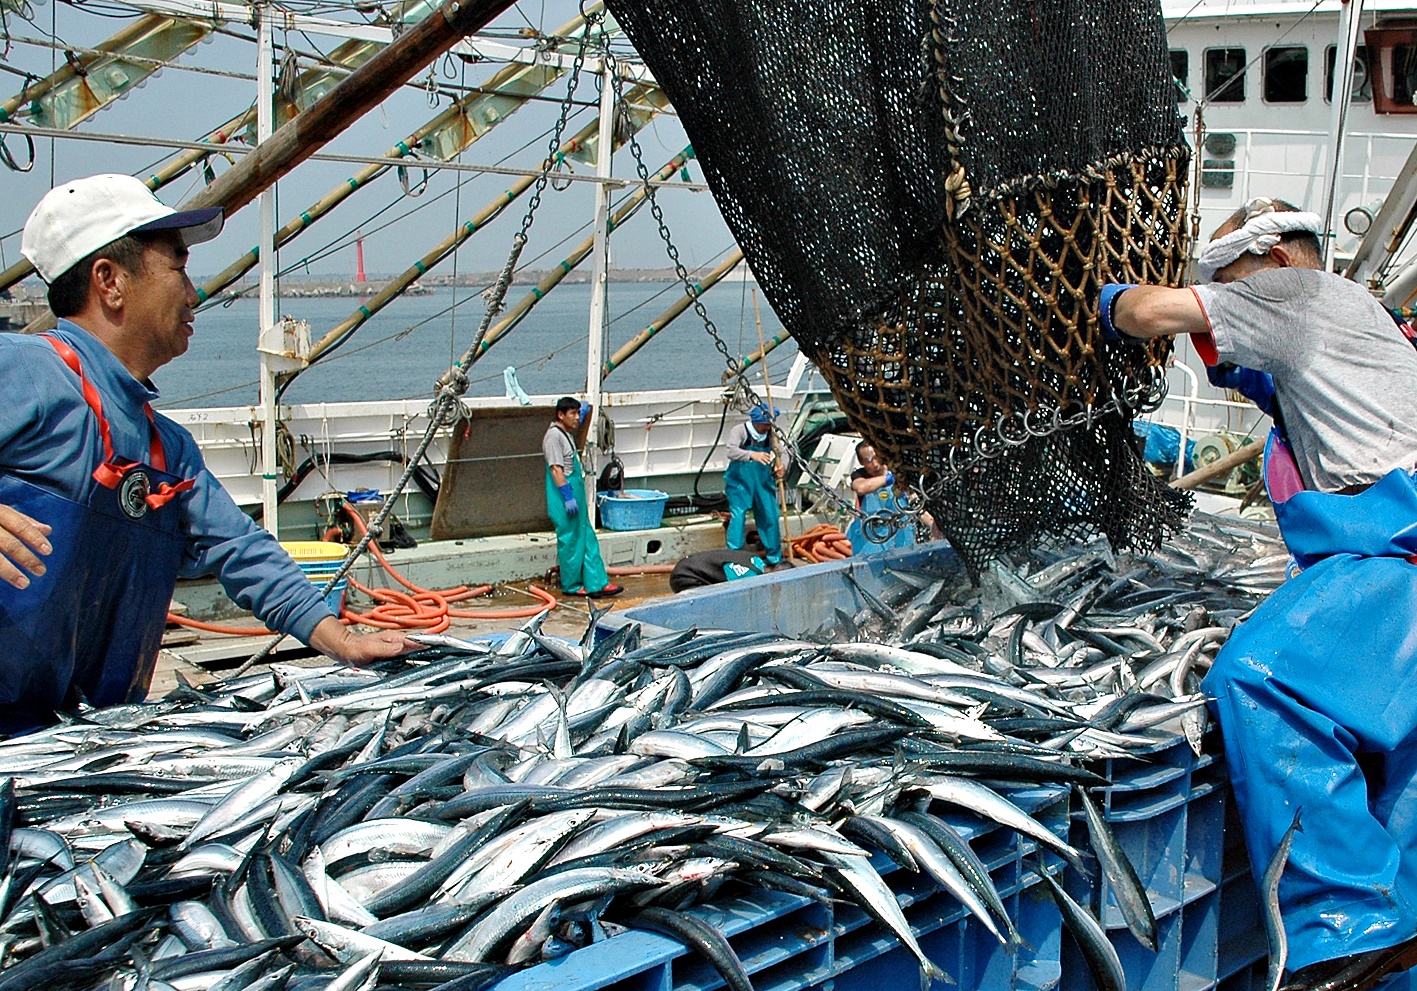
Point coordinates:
pixel 402 350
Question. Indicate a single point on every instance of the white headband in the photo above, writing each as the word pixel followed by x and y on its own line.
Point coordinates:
pixel 1259 234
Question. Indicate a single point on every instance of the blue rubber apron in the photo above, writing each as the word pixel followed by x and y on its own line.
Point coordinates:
pixel 89 628
pixel 1326 670
pixel 883 499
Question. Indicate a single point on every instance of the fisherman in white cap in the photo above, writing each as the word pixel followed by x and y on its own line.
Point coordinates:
pixel 103 502
pixel 1326 668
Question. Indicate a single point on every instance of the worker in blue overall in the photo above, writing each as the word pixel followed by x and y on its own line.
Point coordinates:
pixel 104 503
pixel 750 483
pixel 874 485
pixel 577 549
pixel 1325 671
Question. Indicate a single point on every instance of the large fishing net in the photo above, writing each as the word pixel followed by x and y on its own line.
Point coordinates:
pixel 931 194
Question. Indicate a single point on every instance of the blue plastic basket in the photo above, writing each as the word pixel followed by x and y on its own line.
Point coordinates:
pixel 334 598
pixel 633 509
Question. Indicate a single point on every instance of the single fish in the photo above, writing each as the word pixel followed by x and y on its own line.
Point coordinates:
pixel 1273 919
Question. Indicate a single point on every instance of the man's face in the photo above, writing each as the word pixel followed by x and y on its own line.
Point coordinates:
pixel 158 301
pixel 569 420
pixel 870 462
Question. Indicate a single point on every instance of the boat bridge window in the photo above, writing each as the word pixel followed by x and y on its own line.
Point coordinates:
pixel 1181 73
pixel 1362 82
pixel 1392 69
pixel 1225 75
pixel 1286 74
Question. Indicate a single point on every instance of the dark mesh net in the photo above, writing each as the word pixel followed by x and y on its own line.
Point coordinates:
pixel 931 194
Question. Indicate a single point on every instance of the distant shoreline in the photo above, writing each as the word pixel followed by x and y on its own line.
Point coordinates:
pixel 292 287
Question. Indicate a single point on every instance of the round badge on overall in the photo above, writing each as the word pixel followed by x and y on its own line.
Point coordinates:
pixel 133 494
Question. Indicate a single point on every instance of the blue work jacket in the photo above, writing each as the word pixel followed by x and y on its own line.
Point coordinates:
pixel 50 438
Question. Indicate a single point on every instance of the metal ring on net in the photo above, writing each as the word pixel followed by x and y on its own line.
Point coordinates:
pixel 1013 437
pixel 914 498
pixel 1155 390
pixel 987 442
pixel 1045 429
pixel 878 527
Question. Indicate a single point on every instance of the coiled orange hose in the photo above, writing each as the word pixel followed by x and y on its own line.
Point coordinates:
pixel 823 542
pixel 424 609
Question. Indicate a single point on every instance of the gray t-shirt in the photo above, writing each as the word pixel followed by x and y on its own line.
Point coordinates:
pixel 558 449
pixel 1345 376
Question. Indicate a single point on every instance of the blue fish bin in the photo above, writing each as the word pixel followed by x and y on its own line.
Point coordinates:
pixel 793 602
pixel 633 509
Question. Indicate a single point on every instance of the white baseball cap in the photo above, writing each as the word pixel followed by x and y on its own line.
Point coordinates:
pixel 76 218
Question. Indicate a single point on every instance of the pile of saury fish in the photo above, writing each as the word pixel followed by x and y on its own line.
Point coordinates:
pixel 474 808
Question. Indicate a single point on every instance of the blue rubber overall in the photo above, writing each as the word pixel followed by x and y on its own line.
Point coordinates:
pixel 883 499
pixel 750 485
pixel 1326 670
pixel 577 551
pixel 89 628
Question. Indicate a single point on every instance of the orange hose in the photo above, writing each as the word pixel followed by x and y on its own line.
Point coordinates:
pixel 823 542
pixel 429 610
pixel 233 631
pixel 426 608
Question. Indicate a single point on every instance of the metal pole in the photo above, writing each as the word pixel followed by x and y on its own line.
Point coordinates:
pixel 265 110
pixel 600 250
pixel 1350 18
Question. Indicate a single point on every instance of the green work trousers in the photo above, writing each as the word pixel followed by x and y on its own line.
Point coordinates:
pixel 577 550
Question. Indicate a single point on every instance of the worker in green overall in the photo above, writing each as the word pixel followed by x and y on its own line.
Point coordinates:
pixel 750 483
pixel 577 550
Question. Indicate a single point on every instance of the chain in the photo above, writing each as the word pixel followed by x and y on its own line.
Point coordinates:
pixel 1136 397
pixel 455 378
pixel 447 408
pixel 743 394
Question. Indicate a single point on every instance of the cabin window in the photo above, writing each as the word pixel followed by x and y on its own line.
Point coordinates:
pixel 1181 73
pixel 1362 82
pixel 1225 75
pixel 1286 74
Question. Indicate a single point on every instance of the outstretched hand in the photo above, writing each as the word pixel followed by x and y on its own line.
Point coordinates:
pixel 22 542
pixel 335 640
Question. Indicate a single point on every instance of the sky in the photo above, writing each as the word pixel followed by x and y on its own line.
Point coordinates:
pixel 184 105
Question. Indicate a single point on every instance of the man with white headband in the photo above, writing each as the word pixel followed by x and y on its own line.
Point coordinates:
pixel 103 502
pixel 1325 669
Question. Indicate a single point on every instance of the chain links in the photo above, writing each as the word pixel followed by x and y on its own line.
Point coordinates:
pixel 446 408
pixel 743 395
pixel 455 380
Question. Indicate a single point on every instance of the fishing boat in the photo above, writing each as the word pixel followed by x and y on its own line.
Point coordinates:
pixel 1254 82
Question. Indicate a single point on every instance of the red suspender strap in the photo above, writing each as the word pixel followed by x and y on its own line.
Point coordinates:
pixel 108 474
pixel 157 457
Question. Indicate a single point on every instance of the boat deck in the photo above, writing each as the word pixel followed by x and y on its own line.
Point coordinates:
pixel 199 658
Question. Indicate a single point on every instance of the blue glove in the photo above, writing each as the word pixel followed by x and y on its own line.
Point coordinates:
pixel 1106 305
pixel 568 495
pixel 890 478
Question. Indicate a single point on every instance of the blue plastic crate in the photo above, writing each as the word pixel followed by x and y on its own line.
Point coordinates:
pixel 1170 809
pixel 633 509
pixel 789 943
